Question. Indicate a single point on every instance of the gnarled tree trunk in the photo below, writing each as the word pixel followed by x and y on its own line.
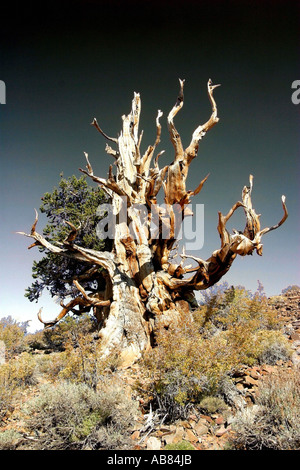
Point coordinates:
pixel 145 287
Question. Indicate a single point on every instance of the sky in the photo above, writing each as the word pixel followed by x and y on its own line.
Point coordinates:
pixel 65 63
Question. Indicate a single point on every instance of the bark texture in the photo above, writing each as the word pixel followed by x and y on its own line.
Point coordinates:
pixel 145 287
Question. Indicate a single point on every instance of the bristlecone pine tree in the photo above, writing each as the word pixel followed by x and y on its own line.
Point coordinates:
pixel 144 287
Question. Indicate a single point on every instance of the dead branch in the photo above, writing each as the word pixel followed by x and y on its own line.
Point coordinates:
pixel 101 258
pixel 96 125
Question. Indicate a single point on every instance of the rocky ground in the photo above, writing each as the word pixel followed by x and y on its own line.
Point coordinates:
pixel 213 432
pixel 203 431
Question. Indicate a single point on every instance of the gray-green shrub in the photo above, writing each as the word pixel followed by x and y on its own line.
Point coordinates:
pixel 71 416
pixel 274 422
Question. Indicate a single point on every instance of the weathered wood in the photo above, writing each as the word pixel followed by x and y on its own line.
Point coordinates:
pixel 145 288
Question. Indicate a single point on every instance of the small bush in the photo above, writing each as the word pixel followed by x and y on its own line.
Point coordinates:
pixel 73 416
pixel 274 423
pixel 193 358
pixel 213 405
pixel 9 439
pixel 185 367
pixel 12 333
pixel 36 341
pixel 182 445
pixel 237 306
pixel 80 360
pixel 272 346
pixel 15 375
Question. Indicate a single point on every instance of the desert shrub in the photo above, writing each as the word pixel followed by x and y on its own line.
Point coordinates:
pixel 72 416
pixel 15 375
pixel 9 439
pixel 22 370
pixel 36 340
pixel 238 307
pixel 193 357
pixel 213 405
pixel 80 361
pixel 70 327
pixel 185 367
pixel 182 445
pixel 80 364
pixel 271 346
pixel 254 345
pixel 274 422
pixel 12 334
pixel 251 328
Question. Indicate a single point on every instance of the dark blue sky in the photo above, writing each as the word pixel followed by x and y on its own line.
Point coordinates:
pixel 68 62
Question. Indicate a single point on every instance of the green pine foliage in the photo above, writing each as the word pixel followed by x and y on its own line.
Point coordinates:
pixel 76 202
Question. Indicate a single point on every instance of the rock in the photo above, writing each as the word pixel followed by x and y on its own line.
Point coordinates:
pixel 249 400
pixel 135 435
pixel 165 429
pixel 295 337
pixel 186 424
pixel 193 417
pixel 266 369
pixel 238 373
pixel 254 374
pixel 239 380
pixel 222 430
pixel 190 436
pixel 230 420
pixel 153 443
pixel 295 359
pixel 200 429
pixel 249 381
pixel 169 438
pixel 179 434
pixel 206 418
pixel 219 420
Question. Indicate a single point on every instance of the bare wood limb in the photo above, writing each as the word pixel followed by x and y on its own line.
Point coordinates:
pixel 96 125
pixel 111 151
pixel 136 111
pixel 192 149
pixel 199 187
pixel 78 301
pixel 73 234
pixel 174 135
pixel 285 216
pixel 109 184
pixel 223 219
pixel 100 258
pixel 147 157
pixel 244 243
pixel 200 261
pixel 93 301
pixel 156 159
pixel 88 165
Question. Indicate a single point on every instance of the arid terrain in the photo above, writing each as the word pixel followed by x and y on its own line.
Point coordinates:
pixel 146 425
